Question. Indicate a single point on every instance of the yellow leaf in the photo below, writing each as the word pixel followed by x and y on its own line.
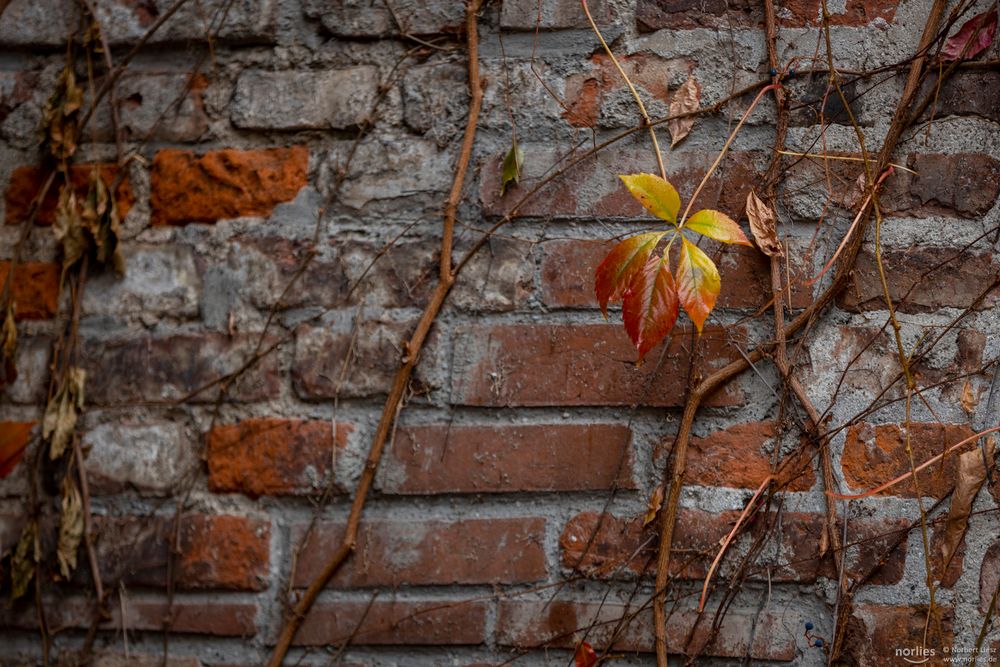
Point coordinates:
pixel 658 196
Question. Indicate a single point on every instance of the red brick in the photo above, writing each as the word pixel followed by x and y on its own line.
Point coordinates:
pixel 216 551
pixel 35 289
pixel 685 14
pixel 734 458
pixel 561 623
pixel 875 454
pixel 875 632
pixel 164 369
pixel 443 458
pixel 956 184
pixel 221 184
pixel 26 183
pixel 587 92
pixel 15 436
pixel 609 546
pixel 579 364
pixel 965 93
pixel 922 280
pixel 398 552
pixel 989 575
pixel 274 456
pixel 394 622
pixel 591 189
pixel 215 618
pixel 568 267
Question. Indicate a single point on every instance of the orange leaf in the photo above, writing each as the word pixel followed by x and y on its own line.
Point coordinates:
pixel 716 225
pixel 14 439
pixel 655 194
pixel 698 283
pixel 650 307
pixel 619 268
pixel 585 655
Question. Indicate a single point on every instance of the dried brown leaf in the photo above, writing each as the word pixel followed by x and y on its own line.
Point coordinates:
pixel 8 334
pixel 60 121
pixel 970 476
pixel 856 194
pixel 70 528
pixel 653 506
pixel 685 100
pixel 68 227
pixel 22 563
pixel 763 225
pixel 59 422
pixel 969 398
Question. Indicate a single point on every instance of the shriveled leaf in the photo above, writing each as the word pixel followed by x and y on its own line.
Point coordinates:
pixel 619 268
pixel 658 196
pixel 60 120
pixel 513 162
pixel 653 506
pixel 61 413
pixel 100 218
pixel 974 37
pixel 650 305
pixel 8 345
pixel 763 225
pixel 13 440
pixel 585 655
pixel 70 528
pixel 698 283
pixel 68 227
pixel 970 476
pixel 969 399
pixel 685 100
pixel 856 194
pixel 22 563
pixel 716 225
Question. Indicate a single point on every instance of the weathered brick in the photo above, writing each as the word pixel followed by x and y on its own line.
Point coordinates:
pixel 274 456
pixel 400 552
pixel 734 457
pixel 394 622
pixel 876 453
pixel 226 183
pixel 219 618
pixel 577 364
pixel 26 184
pixel 158 106
pixel 559 624
pixel 216 551
pixel 372 18
pixel 684 14
pixel 444 458
pixel 876 632
pixel 962 184
pixel 165 369
pixel 158 280
pixel 568 267
pixel 435 100
pixel 921 280
pixel 48 22
pixel 591 189
pixel 318 369
pixel 965 93
pixel 35 289
pixel 552 14
pixel 108 659
pixel 151 457
pixel 603 546
pixel 323 100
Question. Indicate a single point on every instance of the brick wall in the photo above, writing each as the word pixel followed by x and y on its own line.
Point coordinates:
pixel 507 515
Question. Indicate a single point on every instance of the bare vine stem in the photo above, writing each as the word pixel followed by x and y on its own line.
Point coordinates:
pixel 412 350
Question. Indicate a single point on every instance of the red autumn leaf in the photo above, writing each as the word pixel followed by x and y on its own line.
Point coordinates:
pixel 718 226
pixel 13 440
pixel 650 307
pixel 585 655
pixel 619 268
pixel 698 283
pixel 974 37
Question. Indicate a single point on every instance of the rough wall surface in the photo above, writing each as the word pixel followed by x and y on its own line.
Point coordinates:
pixel 507 513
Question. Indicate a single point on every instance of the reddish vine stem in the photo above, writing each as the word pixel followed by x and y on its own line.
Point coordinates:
pixel 412 350
pixel 714 381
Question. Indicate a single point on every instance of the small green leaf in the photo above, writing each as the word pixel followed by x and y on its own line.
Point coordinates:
pixel 655 194
pixel 512 164
pixel 716 225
